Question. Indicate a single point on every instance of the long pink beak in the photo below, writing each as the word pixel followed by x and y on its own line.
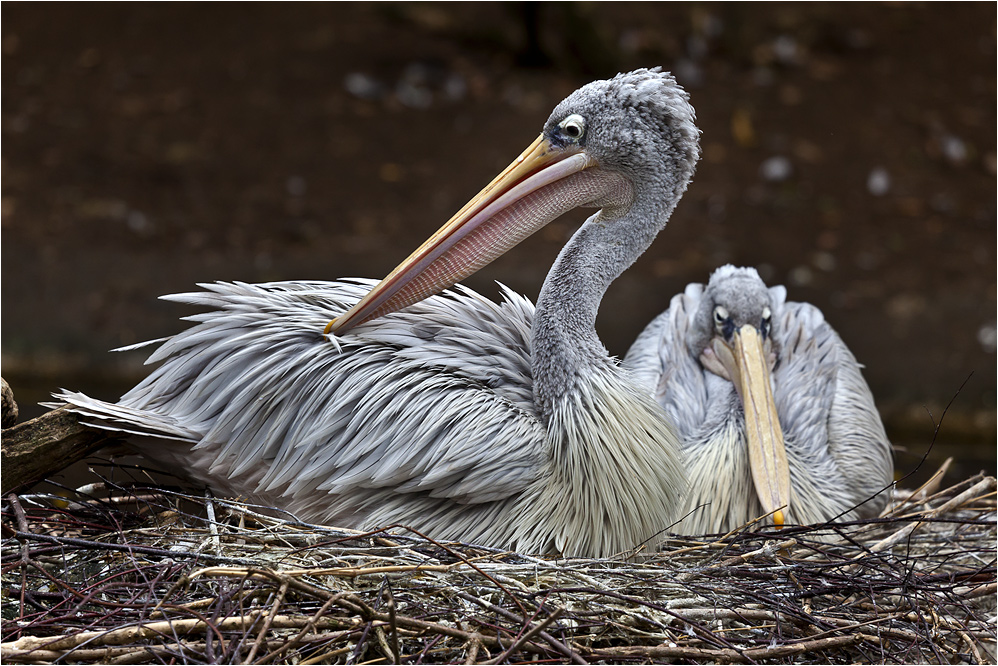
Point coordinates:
pixel 540 184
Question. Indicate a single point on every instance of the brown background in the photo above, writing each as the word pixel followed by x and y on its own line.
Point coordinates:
pixel 148 147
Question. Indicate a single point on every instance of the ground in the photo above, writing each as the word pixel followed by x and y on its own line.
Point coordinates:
pixel 849 153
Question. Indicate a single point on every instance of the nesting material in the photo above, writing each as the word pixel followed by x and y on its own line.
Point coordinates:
pixel 126 573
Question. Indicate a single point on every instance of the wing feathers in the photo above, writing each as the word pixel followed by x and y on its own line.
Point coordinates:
pixel 434 400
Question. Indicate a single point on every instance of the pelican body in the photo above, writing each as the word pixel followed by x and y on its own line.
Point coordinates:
pixel 770 404
pixel 506 424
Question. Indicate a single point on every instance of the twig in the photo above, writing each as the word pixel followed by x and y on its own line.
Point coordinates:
pixel 125 635
pixel 472 657
pixel 768 551
pixel 727 655
pixel 525 638
pixel 984 486
pixel 127 548
pixel 563 649
pixel 396 653
pixel 278 600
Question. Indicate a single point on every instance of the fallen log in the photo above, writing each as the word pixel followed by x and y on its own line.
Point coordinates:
pixel 43 446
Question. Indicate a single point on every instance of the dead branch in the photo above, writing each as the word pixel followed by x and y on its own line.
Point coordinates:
pixel 45 445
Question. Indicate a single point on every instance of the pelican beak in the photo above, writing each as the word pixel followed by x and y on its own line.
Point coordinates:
pixel 746 362
pixel 496 219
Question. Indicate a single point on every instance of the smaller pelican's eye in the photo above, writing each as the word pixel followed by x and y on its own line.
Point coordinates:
pixel 573 126
pixel 767 320
pixel 720 315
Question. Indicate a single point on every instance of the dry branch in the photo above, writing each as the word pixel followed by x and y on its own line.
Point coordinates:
pixel 45 445
pixel 126 635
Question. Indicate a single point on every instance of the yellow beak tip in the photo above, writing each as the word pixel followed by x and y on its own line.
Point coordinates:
pixel 778 519
pixel 328 327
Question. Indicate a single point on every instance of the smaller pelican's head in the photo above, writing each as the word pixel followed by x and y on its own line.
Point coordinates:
pixel 733 299
pixel 733 339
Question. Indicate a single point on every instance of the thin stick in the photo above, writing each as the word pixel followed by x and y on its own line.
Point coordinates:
pixel 146 630
pixel 525 638
pixel 278 600
pixel 982 487
pixel 473 651
pixel 728 655
pixel 551 640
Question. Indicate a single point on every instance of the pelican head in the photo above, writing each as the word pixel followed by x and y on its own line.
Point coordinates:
pixel 733 340
pixel 605 145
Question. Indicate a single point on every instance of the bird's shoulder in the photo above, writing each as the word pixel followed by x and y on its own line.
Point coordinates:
pixel 819 383
pixel 807 362
pixel 660 360
pixel 458 331
pixel 823 400
pixel 806 344
pixel 661 347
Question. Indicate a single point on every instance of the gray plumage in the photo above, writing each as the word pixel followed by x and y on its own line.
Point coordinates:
pixel 838 453
pixel 457 416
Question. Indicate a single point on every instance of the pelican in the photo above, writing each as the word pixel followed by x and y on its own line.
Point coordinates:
pixel 770 405
pixel 504 424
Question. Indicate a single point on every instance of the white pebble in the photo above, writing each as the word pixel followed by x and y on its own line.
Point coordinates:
pixel 786 50
pixel 987 335
pixel 138 222
pixel 801 276
pixel 954 149
pixel 776 169
pixel 363 86
pixel 824 261
pixel 878 183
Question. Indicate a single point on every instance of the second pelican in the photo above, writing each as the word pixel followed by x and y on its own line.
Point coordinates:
pixel 770 404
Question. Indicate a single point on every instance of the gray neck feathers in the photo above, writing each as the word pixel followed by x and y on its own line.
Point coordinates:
pixel 566 348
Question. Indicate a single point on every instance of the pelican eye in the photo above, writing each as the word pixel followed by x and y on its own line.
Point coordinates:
pixel 573 127
pixel 720 316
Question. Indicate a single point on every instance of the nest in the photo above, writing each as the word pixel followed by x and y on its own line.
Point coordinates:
pixel 140 574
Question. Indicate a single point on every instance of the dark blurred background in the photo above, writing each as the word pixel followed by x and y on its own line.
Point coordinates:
pixel 849 153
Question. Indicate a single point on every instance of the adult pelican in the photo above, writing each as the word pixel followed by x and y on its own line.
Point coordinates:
pixel 770 404
pixel 502 424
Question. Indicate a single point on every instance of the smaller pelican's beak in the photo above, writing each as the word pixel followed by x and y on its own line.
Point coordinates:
pixel 504 213
pixel 746 361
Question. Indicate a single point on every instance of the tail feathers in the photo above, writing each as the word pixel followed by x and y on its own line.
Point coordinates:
pixel 119 418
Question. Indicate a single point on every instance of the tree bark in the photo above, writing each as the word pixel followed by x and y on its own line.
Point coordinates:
pixel 8 408
pixel 40 447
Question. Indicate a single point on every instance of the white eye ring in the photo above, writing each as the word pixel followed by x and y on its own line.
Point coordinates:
pixel 720 314
pixel 767 314
pixel 574 126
